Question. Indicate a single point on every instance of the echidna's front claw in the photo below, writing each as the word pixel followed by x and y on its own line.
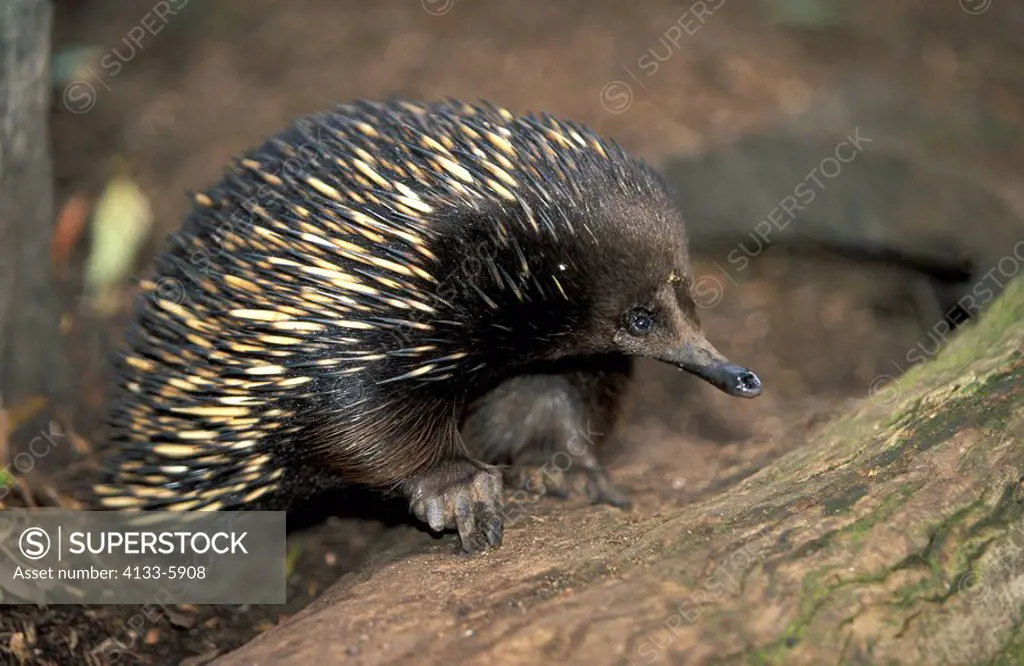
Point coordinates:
pixel 471 504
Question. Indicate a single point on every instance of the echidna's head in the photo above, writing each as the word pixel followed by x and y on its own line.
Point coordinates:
pixel 636 296
pixel 589 258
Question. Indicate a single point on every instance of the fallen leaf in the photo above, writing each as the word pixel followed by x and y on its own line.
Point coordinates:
pixel 23 411
pixel 18 647
pixel 120 223
pixel 80 444
pixel 179 619
pixel 70 223
pixel 294 551
pixel 72 64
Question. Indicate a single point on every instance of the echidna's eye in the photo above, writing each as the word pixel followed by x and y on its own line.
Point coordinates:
pixel 639 322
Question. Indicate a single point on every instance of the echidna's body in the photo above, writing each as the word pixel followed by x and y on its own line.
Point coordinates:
pixel 376 278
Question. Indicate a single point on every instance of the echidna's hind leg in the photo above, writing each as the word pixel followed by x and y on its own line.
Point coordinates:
pixel 552 428
pixel 460 494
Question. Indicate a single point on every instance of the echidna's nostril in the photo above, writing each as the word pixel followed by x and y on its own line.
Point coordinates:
pixel 748 383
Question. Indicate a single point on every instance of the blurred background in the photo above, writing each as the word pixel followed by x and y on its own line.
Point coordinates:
pixel 852 176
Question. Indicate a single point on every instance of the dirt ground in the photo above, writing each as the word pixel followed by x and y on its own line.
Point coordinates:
pixel 218 77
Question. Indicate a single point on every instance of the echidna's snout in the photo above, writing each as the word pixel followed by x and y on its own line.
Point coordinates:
pixel 737 381
pixel 706 362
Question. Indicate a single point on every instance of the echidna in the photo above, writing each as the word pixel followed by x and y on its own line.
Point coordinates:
pixel 402 296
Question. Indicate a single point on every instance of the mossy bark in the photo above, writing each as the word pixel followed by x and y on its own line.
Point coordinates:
pixel 894 534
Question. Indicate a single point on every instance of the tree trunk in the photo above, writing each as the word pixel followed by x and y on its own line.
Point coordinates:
pixel 893 534
pixel 31 359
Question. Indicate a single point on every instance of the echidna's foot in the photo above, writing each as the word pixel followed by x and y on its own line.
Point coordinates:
pixel 569 478
pixel 461 495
